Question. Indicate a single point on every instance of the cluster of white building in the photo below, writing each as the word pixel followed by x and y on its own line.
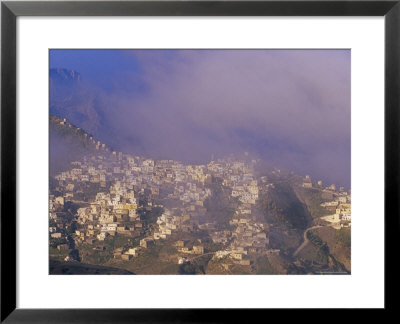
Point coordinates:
pixel 120 179
pixel 341 205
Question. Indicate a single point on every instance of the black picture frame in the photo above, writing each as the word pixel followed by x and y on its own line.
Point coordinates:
pixel 10 10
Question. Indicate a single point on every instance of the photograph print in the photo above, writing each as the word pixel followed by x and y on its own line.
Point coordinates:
pixel 199 162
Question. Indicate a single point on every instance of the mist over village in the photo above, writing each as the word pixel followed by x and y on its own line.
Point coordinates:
pixel 199 162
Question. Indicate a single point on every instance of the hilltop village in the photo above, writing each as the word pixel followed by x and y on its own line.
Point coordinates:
pixel 120 210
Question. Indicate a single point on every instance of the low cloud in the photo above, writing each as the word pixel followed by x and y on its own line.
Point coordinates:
pixel 290 107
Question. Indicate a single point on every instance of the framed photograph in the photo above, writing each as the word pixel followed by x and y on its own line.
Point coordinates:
pixel 164 158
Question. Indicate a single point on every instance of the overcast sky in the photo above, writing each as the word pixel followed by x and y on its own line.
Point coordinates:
pixel 290 107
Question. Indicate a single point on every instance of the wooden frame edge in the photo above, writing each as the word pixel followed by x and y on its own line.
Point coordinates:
pixel 11 10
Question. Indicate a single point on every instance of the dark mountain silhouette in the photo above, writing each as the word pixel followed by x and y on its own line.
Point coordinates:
pixel 72 98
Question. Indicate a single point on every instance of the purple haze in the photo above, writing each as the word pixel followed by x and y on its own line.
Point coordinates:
pixel 290 107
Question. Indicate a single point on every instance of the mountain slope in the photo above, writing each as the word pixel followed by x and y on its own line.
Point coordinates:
pixel 69 143
pixel 72 98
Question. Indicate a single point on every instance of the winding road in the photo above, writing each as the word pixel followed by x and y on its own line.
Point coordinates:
pixel 305 239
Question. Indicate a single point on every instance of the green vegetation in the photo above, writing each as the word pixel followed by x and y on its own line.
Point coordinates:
pixel 324 255
pixel 151 217
pixel 58 255
pixel 263 266
pixel 168 249
pixel 240 269
pixel 219 208
pixel 339 247
pixel 57 241
pixel 118 241
pixel 311 253
pixel 189 268
pixel 323 249
pixel 201 262
pixel 343 237
pixel 170 269
pixel 98 257
pixel 282 207
pixel 313 200
pixel 148 262
pixel 284 240
pixel 74 254
pixel 89 253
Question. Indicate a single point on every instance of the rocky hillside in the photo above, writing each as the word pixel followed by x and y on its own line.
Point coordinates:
pixel 72 98
pixel 69 143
